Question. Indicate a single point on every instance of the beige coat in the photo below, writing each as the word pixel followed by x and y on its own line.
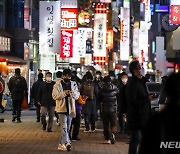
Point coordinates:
pixel 59 96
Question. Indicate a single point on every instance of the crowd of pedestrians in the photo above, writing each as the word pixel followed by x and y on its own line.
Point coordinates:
pixel 122 99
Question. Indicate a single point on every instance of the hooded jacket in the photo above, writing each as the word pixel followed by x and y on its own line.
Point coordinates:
pixel 59 95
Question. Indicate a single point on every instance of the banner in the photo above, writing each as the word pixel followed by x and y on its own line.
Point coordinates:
pixel 49 37
pixel 124 34
pixel 66 44
pixel 100 34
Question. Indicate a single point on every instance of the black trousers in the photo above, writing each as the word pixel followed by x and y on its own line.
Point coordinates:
pixel 38 108
pixel 2 107
pixel 109 118
pixel 75 126
pixel 17 108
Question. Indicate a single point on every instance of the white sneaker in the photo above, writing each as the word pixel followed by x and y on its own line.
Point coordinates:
pixel 62 147
pixel 86 131
pixel 113 138
pixel 107 142
pixel 68 147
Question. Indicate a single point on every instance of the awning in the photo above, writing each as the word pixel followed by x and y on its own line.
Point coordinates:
pixel 14 60
pixel 4 33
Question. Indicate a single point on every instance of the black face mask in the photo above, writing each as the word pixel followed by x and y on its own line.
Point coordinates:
pixel 66 80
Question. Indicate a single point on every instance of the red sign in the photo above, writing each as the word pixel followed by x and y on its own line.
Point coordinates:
pixel 69 18
pixel 175 14
pixel 66 44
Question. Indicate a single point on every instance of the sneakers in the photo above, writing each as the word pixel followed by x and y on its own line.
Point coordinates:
pixel 49 130
pixel 112 138
pixel 92 131
pixel 107 142
pixel 68 147
pixel 19 121
pixel 62 147
pixel 44 127
pixel 86 131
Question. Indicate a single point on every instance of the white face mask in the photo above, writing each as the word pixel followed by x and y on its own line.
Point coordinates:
pixel 124 80
pixel 48 79
pixel 98 76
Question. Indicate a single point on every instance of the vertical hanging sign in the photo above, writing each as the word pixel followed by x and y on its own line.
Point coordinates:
pixel 66 44
pixel 49 27
pixel 99 39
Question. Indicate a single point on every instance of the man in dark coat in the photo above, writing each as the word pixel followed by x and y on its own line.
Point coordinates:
pixel 162 135
pixel 18 88
pixel 2 87
pixel 46 101
pixel 34 94
pixel 108 96
pixel 122 103
pixel 138 105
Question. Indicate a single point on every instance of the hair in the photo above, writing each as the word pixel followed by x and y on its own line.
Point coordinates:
pixel 49 73
pixel 89 75
pixel 133 66
pixel 58 74
pixel 98 72
pixel 67 72
pixel 17 71
pixel 172 86
pixel 123 73
pixel 106 79
pixel 74 73
pixel 111 73
pixel 40 76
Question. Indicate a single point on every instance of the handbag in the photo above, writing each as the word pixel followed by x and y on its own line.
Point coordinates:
pixel 82 99
pixel 24 104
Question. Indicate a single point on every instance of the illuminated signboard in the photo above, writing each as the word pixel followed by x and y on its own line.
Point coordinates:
pixel 175 14
pixel 69 18
pixel 105 1
pixel 79 41
pixel 161 8
pixel 49 27
pixel 84 18
pixel 124 30
pixel 4 43
pixel 66 44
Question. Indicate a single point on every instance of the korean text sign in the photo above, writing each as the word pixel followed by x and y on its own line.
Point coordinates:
pixel 69 18
pixel 49 27
pixel 66 44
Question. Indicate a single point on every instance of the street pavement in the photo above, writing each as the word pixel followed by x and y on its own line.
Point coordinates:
pixel 28 138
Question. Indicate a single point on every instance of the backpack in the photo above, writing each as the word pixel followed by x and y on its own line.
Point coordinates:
pixel 18 84
pixel 89 90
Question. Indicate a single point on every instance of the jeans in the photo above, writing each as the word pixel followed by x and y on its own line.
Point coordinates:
pixel 50 111
pixel 134 141
pixel 17 108
pixel 109 118
pixel 65 123
pixel 90 119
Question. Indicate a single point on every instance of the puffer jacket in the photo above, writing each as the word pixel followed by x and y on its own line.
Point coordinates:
pixel 59 96
pixel 108 97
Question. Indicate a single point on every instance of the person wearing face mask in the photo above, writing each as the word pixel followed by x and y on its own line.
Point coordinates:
pixel 138 106
pixel 122 104
pixel 99 82
pixel 65 92
pixel 46 102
